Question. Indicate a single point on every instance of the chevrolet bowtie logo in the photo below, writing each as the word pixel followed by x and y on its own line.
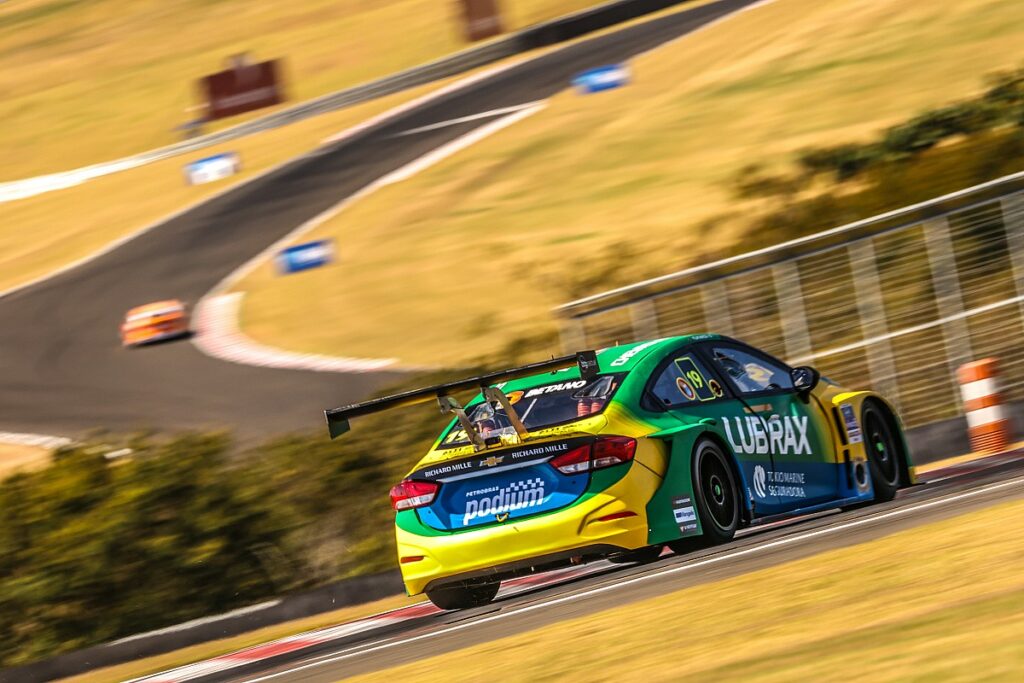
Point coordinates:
pixel 491 462
pixel 501 517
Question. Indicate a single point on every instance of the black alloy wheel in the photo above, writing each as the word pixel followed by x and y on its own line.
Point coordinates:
pixel 718 504
pixel 882 451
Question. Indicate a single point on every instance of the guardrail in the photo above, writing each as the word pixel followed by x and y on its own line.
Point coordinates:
pixel 894 303
pixel 542 35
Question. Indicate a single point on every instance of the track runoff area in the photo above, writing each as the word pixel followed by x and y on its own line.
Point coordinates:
pixel 410 634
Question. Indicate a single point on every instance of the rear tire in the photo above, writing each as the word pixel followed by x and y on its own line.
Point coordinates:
pixel 715 490
pixel 473 593
pixel 882 450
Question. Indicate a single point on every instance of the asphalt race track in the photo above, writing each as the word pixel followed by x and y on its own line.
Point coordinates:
pixel 945 493
pixel 62 370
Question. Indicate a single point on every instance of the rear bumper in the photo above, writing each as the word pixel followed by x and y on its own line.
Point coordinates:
pixel 137 338
pixel 506 549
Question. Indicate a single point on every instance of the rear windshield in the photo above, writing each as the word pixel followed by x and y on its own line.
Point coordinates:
pixel 548 405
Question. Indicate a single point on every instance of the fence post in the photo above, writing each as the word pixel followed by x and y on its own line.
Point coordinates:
pixel 873 323
pixel 790 298
pixel 1013 223
pixel 645 319
pixel 715 298
pixel 948 298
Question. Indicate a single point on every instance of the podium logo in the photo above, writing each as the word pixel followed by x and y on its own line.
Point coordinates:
pixel 516 496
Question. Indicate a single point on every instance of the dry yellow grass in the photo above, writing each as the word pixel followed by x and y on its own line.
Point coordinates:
pixel 14 458
pixel 940 602
pixel 456 261
pixel 84 82
pixel 195 653
pixel 45 232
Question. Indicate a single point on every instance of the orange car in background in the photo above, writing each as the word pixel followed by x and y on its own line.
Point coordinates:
pixel 154 322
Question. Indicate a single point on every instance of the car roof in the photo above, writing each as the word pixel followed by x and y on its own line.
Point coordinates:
pixel 612 359
pixel 156 306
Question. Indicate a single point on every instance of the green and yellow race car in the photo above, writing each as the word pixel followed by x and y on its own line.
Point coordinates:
pixel 616 453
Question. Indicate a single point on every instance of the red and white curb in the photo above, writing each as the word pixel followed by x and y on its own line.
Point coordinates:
pixel 322 636
pixel 217 335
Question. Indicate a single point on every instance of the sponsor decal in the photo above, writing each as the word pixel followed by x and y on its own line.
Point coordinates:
pixel 785 435
pixel 685 514
pixel 852 426
pixel 500 500
pixel 628 355
pixel 760 482
pixel 556 388
pixel 786 484
pixel 695 378
pixel 758 373
pixel 514 397
pixel 716 388
pixel 460 467
pixel 685 389
pixel 778 484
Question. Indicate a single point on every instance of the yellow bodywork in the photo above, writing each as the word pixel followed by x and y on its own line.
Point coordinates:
pixel 576 526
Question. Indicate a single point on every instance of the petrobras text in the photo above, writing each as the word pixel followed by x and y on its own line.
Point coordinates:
pixel 516 496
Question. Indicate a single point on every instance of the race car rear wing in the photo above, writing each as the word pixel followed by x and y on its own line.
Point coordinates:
pixel 338 418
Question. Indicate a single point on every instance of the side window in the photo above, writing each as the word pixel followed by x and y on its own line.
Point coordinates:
pixel 685 380
pixel 751 373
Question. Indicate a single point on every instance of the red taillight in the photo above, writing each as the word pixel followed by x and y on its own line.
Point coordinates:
pixel 575 461
pixel 612 450
pixel 605 452
pixel 413 494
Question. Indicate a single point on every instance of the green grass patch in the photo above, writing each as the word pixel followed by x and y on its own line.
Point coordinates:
pixel 944 601
pixel 482 230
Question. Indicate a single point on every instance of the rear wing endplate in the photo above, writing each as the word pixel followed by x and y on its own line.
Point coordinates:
pixel 338 418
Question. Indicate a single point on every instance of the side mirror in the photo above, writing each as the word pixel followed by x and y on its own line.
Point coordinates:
pixel 804 378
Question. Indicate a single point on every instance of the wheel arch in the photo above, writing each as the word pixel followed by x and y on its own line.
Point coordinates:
pixel 746 513
pixel 896 425
pixel 678 479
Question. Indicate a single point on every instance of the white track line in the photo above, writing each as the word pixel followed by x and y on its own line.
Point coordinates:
pixel 789 540
pixel 466 119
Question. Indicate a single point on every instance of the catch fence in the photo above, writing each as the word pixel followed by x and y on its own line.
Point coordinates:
pixel 894 303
